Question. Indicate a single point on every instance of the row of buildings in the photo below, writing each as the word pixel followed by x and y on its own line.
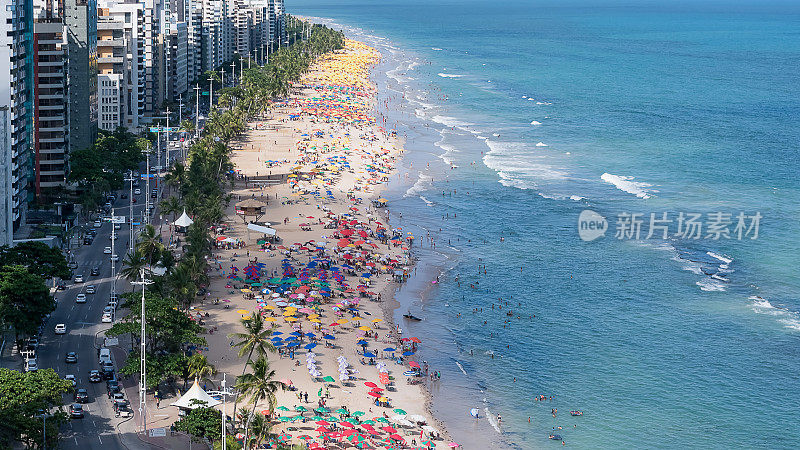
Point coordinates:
pixel 71 67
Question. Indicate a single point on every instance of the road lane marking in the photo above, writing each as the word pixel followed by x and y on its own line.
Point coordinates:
pixel 98 436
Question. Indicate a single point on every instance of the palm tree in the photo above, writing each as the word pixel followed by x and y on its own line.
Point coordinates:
pixel 150 243
pixel 259 386
pixel 255 339
pixel 133 265
pixel 181 284
pixel 177 176
pixel 172 206
pixel 261 428
pixel 199 367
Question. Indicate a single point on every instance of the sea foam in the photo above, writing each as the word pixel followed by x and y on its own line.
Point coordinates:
pixel 626 184
pixel 450 75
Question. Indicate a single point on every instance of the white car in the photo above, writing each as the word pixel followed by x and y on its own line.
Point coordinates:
pixel 31 366
pixel 137 191
pixel 107 250
pixel 115 258
pixel 71 378
pixel 79 278
pixel 81 298
pixel 106 318
pixel 91 289
pixel 61 328
pixel 117 226
pixel 98 224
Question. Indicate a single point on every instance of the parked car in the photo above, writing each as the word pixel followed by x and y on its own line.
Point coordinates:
pixel 87 241
pixel 61 329
pixel 71 357
pixel 82 396
pixel 76 411
pixel 98 224
pixel 106 318
pixel 61 287
pixel 123 408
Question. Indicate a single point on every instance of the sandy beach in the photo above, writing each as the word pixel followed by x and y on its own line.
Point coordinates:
pixel 315 166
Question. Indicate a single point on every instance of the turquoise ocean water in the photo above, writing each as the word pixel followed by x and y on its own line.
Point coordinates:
pixel 519 115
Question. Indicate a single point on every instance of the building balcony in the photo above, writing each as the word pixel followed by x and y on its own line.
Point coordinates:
pixel 50 52
pixel 51 85
pixel 51 74
pixel 110 60
pixel 110 42
pixel 51 96
pixel 52 151
pixel 110 25
pixel 51 64
pixel 58 140
pixel 51 107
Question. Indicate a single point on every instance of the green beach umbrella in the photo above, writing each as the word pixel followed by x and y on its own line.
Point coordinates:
pixel 301 408
pixel 332 419
pixel 352 420
pixel 400 411
pixel 341 411
pixel 368 422
pixel 329 379
pixel 381 419
pixel 282 408
pixel 316 418
pixel 285 419
pixel 252 284
pixel 357 413
pixel 322 410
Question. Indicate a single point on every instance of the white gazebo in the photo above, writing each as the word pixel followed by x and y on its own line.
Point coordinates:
pixel 184 220
pixel 196 397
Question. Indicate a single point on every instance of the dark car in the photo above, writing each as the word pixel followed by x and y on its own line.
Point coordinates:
pixel 76 411
pixel 82 396
pixel 107 373
pixel 123 408
pixel 118 397
pixel 71 357
pixel 61 287
pixel 124 196
pixel 95 271
pixel 95 377
pixel 87 241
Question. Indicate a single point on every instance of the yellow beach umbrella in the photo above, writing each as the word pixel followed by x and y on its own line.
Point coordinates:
pixel 269 307
pixel 342 321
pixel 269 319
pixel 243 311
pixel 313 316
pixel 377 320
pixel 365 328
pixel 315 321
pixel 288 313
pixel 246 291
pixel 290 308
pixel 245 317
pixel 358 318
pixel 291 319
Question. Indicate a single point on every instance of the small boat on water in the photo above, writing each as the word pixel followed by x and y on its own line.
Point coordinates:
pixel 410 316
pixel 576 413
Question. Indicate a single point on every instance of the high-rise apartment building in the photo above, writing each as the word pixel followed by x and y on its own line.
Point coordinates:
pixel 16 72
pixel 121 79
pixel 80 19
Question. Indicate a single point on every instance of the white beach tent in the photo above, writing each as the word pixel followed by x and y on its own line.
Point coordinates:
pixel 184 220
pixel 199 395
pixel 261 229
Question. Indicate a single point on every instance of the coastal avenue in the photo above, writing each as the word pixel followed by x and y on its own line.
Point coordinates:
pixel 100 428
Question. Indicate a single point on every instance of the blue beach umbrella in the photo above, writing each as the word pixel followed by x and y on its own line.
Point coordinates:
pixel 390 349
pixel 369 354
pixel 328 337
pixel 293 344
pixel 408 353
pixel 310 346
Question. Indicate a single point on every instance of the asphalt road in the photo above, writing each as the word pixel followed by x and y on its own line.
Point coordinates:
pixel 100 428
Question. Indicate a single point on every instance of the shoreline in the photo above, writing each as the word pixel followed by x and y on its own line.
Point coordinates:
pixel 265 138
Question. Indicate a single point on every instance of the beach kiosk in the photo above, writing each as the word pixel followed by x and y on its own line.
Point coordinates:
pixel 183 222
pixel 380 203
pixel 194 398
pixel 250 208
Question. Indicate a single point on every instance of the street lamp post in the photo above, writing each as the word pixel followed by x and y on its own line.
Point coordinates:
pixel 146 213
pixel 224 393
pixel 143 360
pixel 210 94
pixel 197 111
pixel 130 213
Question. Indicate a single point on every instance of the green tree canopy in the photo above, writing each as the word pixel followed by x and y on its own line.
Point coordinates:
pixel 39 258
pixel 24 299
pixel 23 398
pixel 202 423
